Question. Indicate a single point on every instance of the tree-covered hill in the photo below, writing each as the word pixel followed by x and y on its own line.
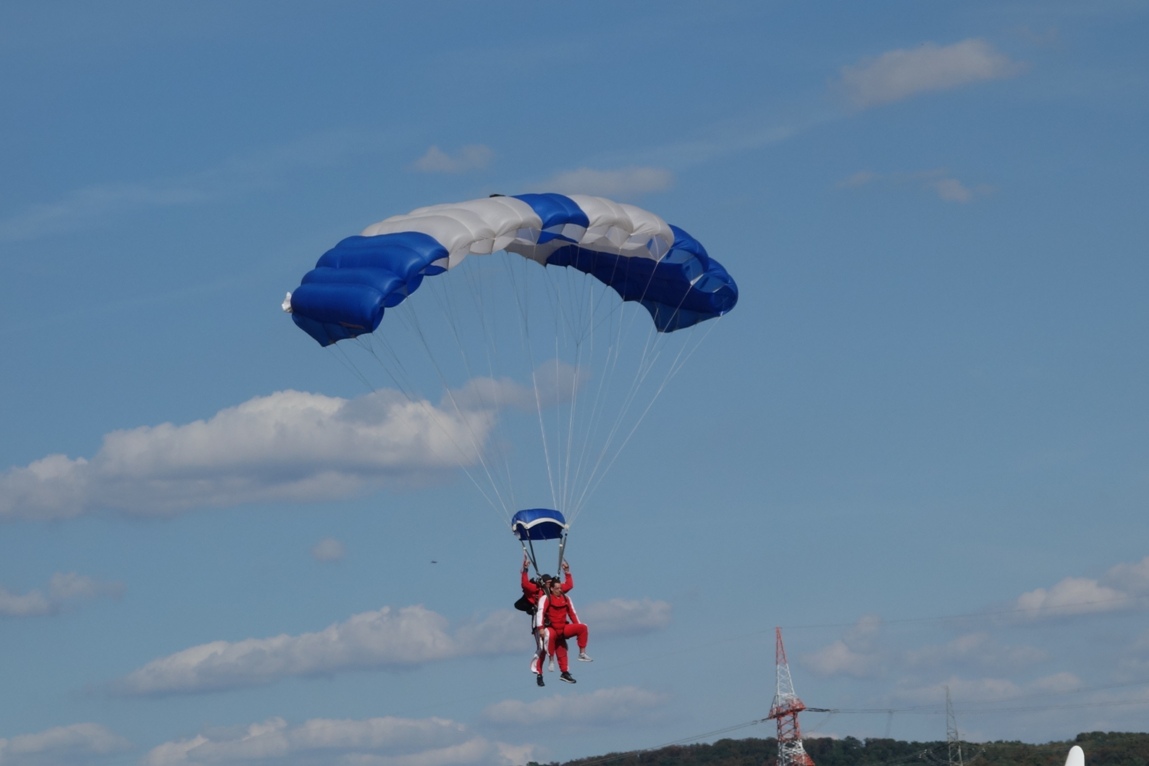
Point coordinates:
pixel 1101 749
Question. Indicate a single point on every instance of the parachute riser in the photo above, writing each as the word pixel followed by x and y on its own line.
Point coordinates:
pixel 562 551
pixel 529 552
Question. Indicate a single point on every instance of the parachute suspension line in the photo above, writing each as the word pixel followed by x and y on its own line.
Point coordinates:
pixel 522 301
pixel 472 277
pixel 397 373
pixel 609 369
pixel 340 353
pixel 651 353
pixel 411 318
pixel 610 451
pixel 574 323
pixel 405 386
pixel 499 475
pixel 684 353
pixel 619 327
pixel 638 420
pixel 647 364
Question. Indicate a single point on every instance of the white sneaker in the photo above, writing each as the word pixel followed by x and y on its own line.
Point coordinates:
pixel 551 667
pixel 584 657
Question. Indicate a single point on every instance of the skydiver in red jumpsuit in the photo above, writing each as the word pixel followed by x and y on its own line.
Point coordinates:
pixel 556 616
pixel 533 592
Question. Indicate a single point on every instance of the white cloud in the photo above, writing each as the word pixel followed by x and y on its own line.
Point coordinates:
pixel 988 689
pixel 839 659
pixel 1073 595
pixel 384 638
pixel 901 74
pixel 387 741
pixel 623 616
pixel 75 743
pixel 554 382
pixel 89 206
pixel 975 649
pixel 387 638
pixel 981 689
pixel 328 549
pixel 1123 587
pixel 1132 579
pixel 602 707
pixel 473 157
pixel 64 589
pixel 289 446
pixel 855 654
pixel 625 182
pixel 936 182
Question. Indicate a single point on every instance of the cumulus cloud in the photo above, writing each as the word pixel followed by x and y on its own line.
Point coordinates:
pixel 387 741
pixel 388 638
pixel 623 616
pixel 936 182
pixel 621 183
pixel 64 589
pixel 289 446
pixel 840 659
pixel 988 689
pixel 554 382
pixel 72 744
pixel 975 649
pixel 1123 587
pixel 904 73
pixel 855 654
pixel 604 707
pixel 472 157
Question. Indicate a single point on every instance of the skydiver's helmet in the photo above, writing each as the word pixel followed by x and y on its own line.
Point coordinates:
pixel 545 580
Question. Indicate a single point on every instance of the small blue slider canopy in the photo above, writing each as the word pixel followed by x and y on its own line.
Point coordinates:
pixel 538 524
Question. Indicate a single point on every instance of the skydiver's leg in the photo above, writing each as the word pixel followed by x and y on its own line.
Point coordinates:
pixel 560 649
pixel 540 650
pixel 580 632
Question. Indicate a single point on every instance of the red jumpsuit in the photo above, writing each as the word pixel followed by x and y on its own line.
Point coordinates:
pixel 533 593
pixel 557 615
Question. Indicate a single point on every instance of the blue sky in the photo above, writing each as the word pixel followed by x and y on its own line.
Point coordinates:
pixel 919 443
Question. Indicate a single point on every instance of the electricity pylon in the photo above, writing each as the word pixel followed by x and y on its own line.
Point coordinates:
pixel 785 711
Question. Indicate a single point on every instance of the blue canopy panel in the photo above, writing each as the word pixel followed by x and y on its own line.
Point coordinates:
pixel 347 292
pixel 538 524
pixel 684 288
pixel 351 285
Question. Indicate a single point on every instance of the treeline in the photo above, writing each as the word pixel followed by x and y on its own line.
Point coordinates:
pixel 1101 749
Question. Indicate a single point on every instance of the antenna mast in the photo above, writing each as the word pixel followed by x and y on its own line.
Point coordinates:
pixel 785 711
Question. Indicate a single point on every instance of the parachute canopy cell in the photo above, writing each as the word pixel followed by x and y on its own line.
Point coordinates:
pixel 538 524
pixel 631 250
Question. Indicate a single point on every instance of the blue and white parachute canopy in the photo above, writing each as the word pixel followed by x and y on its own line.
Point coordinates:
pixel 538 524
pixel 631 250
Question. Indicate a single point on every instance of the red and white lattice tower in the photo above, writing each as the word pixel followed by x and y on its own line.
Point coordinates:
pixel 785 711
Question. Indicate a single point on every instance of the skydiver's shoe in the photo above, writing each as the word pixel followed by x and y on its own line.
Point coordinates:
pixel 539 680
pixel 568 678
pixel 584 657
pixel 551 667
